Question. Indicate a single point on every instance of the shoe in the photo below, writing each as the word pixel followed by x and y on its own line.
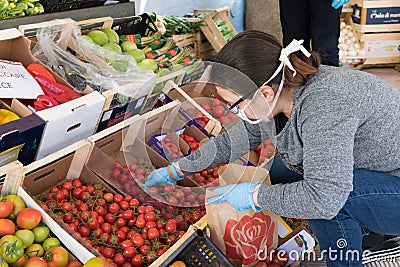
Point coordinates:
pixel 387 251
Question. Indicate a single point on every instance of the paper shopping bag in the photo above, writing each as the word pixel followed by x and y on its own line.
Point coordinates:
pixel 245 236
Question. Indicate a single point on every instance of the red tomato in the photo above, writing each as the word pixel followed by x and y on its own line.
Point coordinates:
pixel 76 183
pixel 108 253
pixel 170 227
pixel 74 263
pixel 113 208
pixel 35 262
pixel 153 233
pixel 119 259
pixel 56 257
pixel 138 241
pixel 150 216
pixel 118 198
pixel 28 218
pixel 137 261
pixel 6 207
pixel 129 252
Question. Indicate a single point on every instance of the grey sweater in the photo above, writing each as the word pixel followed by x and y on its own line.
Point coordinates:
pixel 341 120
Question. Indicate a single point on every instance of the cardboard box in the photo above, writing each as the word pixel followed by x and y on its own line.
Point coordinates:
pixel 20 139
pixel 66 123
pixel 40 176
pixel 376 16
pixel 381 47
pixel 136 106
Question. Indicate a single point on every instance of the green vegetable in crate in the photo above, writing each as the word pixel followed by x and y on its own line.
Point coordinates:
pixel 128 46
pixel 148 64
pixel 87 38
pixel 113 47
pixel 176 25
pixel 19 8
pixel 168 45
pixel 98 37
pixel 137 54
pixel 139 40
pixel 111 34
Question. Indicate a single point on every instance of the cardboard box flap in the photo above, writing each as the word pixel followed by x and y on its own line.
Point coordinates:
pixel 9 34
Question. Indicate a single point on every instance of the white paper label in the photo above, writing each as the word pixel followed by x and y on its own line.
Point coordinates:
pixel 16 82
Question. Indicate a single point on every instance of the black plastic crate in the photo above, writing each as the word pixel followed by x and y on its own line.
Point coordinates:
pixel 142 24
pixel 51 6
pixel 198 250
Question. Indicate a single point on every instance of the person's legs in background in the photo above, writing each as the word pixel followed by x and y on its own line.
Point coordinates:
pixel 325 30
pixel 295 20
pixel 374 204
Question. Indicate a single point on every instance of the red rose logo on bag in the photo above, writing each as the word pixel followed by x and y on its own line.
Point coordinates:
pixel 244 239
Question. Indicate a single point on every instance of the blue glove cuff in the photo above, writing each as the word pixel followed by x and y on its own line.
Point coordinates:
pixel 252 188
pixel 174 173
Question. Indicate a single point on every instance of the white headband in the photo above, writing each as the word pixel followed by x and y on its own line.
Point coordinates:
pixel 294 46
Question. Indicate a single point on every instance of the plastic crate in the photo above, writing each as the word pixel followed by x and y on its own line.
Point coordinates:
pixel 51 6
pixel 198 250
pixel 142 24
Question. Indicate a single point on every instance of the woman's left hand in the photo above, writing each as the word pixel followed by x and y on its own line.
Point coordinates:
pixel 240 196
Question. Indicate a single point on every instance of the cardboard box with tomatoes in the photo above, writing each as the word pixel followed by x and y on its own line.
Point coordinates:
pixel 92 218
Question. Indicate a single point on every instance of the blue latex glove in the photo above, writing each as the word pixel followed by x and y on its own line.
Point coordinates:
pixel 240 196
pixel 338 3
pixel 162 176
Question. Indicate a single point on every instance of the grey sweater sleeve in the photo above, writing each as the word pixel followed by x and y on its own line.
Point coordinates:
pixel 327 125
pixel 227 147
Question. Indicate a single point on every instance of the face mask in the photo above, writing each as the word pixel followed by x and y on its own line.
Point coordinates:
pixel 294 46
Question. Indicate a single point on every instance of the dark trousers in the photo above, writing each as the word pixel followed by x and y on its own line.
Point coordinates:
pixel 313 20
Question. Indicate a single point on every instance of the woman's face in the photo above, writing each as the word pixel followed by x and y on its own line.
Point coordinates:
pixel 255 108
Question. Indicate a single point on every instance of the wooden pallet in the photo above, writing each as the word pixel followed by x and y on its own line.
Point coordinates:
pixel 210 29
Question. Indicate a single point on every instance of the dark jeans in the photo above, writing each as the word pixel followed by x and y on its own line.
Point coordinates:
pixel 313 20
pixel 373 205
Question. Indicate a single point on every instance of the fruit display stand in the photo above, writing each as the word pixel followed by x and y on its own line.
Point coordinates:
pixel 211 30
pixel 377 25
pixel 66 123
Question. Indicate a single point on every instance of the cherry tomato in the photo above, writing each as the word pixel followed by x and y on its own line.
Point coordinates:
pixel 140 222
pixel 108 253
pixel 118 198
pixel 119 259
pixel 113 208
pixel 137 261
pixel 153 233
pixel 129 252
pixel 170 227
pixel 138 241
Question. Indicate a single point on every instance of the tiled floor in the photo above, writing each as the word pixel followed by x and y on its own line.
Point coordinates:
pixel 391 75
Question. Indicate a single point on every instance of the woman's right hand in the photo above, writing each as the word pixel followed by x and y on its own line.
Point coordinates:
pixel 163 176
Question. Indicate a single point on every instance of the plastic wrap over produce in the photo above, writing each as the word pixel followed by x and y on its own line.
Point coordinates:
pixel 83 63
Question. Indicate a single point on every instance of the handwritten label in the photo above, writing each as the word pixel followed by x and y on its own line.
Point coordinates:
pixel 16 82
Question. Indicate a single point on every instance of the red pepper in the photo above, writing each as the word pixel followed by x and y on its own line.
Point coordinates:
pixel 38 70
pixel 44 102
pixel 57 91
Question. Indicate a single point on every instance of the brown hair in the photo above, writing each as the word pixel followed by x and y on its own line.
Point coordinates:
pixel 256 54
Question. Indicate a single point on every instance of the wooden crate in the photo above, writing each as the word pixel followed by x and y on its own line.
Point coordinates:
pixel 203 49
pixel 210 29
